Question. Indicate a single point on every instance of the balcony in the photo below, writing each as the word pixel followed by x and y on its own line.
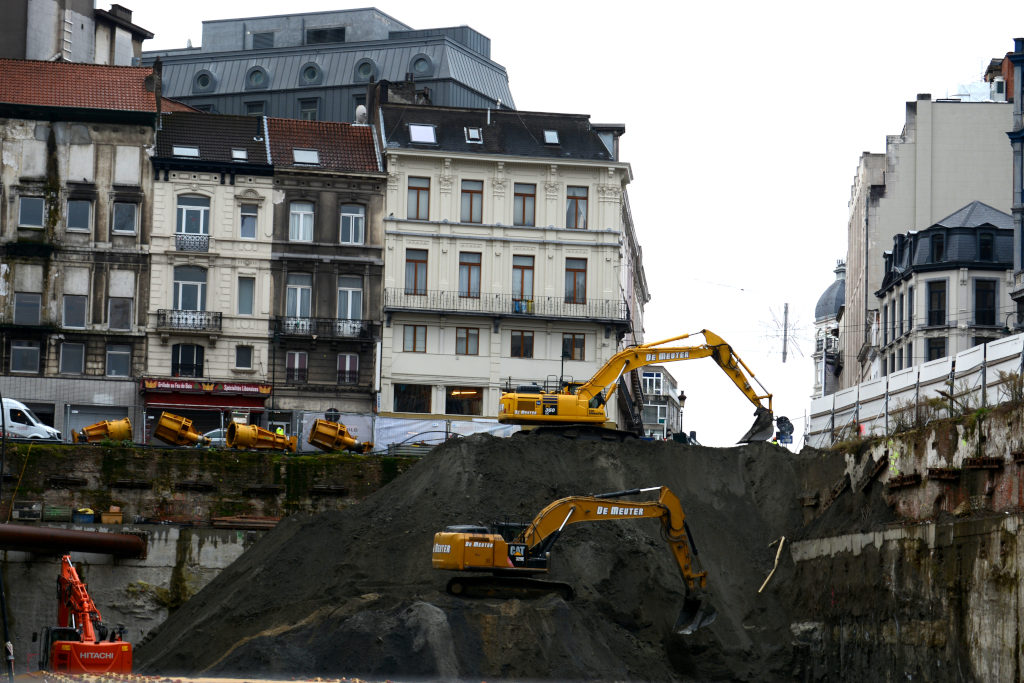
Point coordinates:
pixel 191 242
pixel 296 375
pixel 323 328
pixel 189 321
pixel 603 310
pixel 348 377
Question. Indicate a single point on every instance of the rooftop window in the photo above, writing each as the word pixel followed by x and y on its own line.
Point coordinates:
pixel 551 137
pixel 475 135
pixel 306 156
pixel 315 36
pixel 239 155
pixel 423 133
pixel 185 151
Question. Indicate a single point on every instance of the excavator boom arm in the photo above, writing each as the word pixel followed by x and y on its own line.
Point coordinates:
pixel 604 380
pixel 543 531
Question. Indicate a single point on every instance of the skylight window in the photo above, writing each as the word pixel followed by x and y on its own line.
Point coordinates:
pixel 423 133
pixel 475 135
pixel 185 151
pixel 306 156
pixel 551 137
pixel 239 155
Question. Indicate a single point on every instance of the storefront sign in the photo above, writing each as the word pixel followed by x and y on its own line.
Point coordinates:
pixel 200 387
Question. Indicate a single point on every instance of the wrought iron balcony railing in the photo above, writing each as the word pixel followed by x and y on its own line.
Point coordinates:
pixel 296 375
pixel 325 328
pixel 191 242
pixel 490 304
pixel 196 321
pixel 348 377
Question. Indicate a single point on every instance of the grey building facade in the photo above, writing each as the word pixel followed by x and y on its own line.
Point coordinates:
pixel 318 66
pixel 70 31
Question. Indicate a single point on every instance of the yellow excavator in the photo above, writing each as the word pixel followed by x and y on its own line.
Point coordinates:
pixel 579 407
pixel 511 553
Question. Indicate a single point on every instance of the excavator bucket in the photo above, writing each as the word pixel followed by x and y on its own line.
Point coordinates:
pixel 763 426
pixel 694 615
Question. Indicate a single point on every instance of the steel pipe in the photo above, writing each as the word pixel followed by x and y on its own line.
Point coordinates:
pixel 54 541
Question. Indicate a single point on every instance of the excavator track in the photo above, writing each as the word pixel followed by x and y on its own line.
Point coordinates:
pixel 507 587
pixel 583 432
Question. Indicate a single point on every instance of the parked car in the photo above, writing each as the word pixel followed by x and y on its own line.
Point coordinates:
pixel 218 438
pixel 22 422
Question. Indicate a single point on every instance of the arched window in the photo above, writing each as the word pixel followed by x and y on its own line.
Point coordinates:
pixel 204 81
pixel 366 70
pixel 187 360
pixel 189 288
pixel 421 66
pixel 311 74
pixel 193 215
pixel 257 78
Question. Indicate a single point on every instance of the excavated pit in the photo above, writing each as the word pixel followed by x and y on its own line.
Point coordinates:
pixel 352 593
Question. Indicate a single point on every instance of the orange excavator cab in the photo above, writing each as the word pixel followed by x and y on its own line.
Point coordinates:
pixel 81 643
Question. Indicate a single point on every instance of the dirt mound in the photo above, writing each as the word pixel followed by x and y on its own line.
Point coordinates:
pixel 353 592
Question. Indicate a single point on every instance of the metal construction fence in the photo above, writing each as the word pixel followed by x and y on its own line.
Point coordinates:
pixel 985 375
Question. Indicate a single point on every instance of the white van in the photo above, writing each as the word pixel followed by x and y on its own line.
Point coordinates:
pixel 23 424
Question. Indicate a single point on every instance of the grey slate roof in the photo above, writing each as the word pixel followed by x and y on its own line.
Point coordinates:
pixel 957 240
pixel 831 301
pixel 976 214
pixel 517 133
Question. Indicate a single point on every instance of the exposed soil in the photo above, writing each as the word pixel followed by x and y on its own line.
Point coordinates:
pixel 352 592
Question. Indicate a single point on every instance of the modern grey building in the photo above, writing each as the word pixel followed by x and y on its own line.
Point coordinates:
pixel 317 66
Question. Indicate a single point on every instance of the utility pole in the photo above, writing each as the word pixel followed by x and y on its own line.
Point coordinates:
pixel 785 330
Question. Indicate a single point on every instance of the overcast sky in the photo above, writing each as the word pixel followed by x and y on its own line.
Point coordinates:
pixel 744 125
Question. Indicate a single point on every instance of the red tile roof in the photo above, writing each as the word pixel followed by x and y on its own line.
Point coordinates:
pixel 342 146
pixel 79 86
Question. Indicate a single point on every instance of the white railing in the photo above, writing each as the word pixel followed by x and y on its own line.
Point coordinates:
pixel 881 406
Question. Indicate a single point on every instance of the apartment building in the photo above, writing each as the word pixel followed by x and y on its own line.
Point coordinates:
pixel 210 288
pixel 74 237
pixel 946 288
pixel 326 269
pixel 949 153
pixel 509 256
pixel 662 407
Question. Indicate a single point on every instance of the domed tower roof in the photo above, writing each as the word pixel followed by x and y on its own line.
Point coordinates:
pixel 833 298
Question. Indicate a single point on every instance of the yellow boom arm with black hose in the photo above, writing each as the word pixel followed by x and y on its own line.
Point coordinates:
pixel 469 548
pixel 585 404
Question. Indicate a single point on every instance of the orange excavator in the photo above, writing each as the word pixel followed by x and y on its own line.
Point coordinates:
pixel 81 643
pixel 512 553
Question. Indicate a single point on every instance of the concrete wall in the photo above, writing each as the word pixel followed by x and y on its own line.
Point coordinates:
pixel 136 593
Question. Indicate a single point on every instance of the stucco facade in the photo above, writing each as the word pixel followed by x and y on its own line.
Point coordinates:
pixel 210 269
pixel 74 233
pixel 949 154
pixel 474 301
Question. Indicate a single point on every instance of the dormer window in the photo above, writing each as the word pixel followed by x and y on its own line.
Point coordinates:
pixel 986 246
pixel 306 156
pixel 938 248
pixel 551 137
pixel 475 135
pixel 422 133
pixel 239 155
pixel 185 151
